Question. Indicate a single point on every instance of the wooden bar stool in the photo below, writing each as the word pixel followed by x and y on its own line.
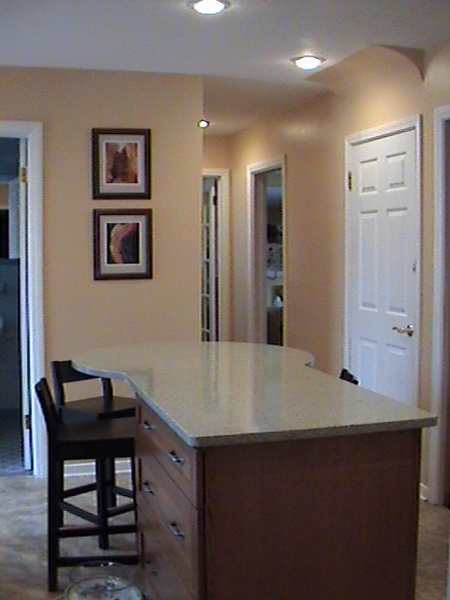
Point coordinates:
pixel 100 440
pixel 105 406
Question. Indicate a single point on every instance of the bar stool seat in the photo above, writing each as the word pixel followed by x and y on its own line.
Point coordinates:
pixel 106 406
pixel 101 441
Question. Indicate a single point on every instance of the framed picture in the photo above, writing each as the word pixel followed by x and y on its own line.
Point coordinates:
pixel 123 244
pixel 120 163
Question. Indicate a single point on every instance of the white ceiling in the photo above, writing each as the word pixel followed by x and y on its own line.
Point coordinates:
pixel 244 52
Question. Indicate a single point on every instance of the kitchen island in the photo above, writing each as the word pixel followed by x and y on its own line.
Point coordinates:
pixel 261 478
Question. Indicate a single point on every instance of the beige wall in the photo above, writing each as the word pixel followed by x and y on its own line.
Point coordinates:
pixel 373 88
pixel 81 313
pixel 216 152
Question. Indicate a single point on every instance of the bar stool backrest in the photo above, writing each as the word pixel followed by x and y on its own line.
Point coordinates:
pixel 49 409
pixel 63 372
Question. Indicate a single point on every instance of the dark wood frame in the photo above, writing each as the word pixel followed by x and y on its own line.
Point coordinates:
pixel 102 188
pixel 104 268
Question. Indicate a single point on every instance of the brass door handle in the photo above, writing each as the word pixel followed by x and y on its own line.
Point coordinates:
pixel 409 330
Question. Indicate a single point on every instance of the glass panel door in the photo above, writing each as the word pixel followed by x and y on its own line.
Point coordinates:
pixel 209 258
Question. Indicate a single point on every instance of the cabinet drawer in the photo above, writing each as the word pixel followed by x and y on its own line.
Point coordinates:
pixel 177 458
pixel 161 581
pixel 169 522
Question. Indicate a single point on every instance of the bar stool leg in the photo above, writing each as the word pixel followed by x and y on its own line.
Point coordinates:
pixel 54 519
pixel 102 501
pixel 110 477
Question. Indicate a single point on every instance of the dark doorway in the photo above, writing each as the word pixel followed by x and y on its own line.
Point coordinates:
pixel 11 437
pixel 4 233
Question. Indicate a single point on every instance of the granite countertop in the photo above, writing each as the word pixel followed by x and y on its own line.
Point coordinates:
pixel 215 393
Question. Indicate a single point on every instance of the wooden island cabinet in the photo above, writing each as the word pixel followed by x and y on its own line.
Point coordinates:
pixel 170 510
pixel 261 478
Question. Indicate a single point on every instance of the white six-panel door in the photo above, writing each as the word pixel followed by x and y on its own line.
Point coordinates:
pixel 383 242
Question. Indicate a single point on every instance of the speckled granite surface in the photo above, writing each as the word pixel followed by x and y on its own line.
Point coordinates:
pixel 214 393
pixel 23 543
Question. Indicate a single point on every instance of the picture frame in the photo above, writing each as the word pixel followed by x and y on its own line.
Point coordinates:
pixel 122 244
pixel 121 163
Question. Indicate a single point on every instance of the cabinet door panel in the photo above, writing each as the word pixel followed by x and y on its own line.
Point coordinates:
pixel 176 457
pixel 161 581
pixel 170 522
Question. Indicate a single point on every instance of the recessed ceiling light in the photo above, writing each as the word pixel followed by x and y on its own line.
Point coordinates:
pixel 203 124
pixel 209 7
pixel 307 62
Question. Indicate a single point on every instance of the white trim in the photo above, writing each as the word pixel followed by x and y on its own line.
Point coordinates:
pixel 439 372
pixel 223 176
pixel 87 468
pixel 385 130
pixel 253 334
pixel 32 305
pixel 413 123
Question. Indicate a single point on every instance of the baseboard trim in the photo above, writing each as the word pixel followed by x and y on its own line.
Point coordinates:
pixel 86 468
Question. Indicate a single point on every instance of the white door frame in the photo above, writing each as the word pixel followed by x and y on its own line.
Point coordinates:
pixel 224 258
pixel 254 310
pixel 439 369
pixel 31 273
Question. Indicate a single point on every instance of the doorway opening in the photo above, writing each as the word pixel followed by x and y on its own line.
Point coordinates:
pixel 13 435
pixel 272 198
pixel 266 267
pixel 25 232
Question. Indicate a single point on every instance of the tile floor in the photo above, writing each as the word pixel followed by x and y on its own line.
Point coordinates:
pixel 432 552
pixel 23 522
pixel 23 544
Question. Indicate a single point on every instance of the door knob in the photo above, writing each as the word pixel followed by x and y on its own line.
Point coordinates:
pixel 409 330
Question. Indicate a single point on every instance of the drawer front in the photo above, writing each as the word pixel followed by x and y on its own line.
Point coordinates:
pixel 169 522
pixel 160 580
pixel 177 458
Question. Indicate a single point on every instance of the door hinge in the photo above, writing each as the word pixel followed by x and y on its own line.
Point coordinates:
pixel 28 422
pixel 349 181
pixel 23 175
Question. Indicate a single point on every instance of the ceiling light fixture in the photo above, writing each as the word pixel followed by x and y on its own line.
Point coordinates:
pixel 203 124
pixel 307 62
pixel 209 7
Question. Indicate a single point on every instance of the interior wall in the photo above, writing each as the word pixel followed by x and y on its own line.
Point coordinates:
pixel 216 151
pixel 81 313
pixel 373 88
